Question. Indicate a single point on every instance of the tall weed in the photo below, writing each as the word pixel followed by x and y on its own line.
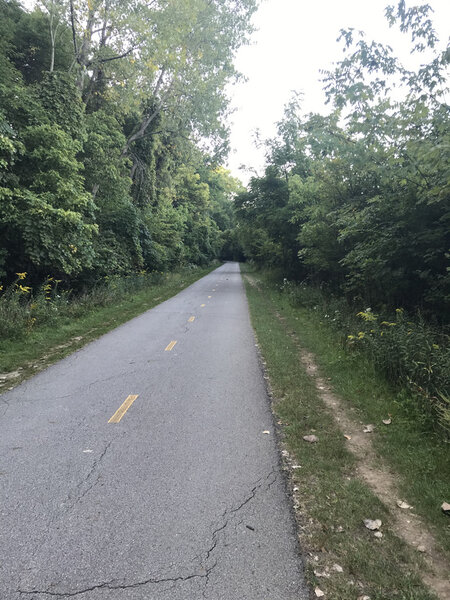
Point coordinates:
pixel 409 352
pixel 23 308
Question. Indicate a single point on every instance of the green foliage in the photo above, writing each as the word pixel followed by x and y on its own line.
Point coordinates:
pixel 47 221
pixel 61 102
pixel 102 110
pixel 358 200
pixel 408 352
pixel 357 203
pixel 266 232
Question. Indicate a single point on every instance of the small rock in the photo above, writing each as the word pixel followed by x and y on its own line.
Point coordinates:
pixel 421 548
pixel 311 438
pixel 295 489
pixel 318 592
pixel 402 504
pixel 445 508
pixel 378 534
pixel 296 466
pixel 321 574
pixel 372 525
pixel 340 529
pixel 337 568
pixel 369 428
pixel 387 421
pixel 363 597
pixel 347 437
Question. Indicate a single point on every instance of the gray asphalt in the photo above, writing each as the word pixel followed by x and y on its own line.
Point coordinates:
pixel 183 498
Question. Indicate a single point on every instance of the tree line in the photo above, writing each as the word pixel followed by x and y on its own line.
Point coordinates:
pixel 358 200
pixel 112 132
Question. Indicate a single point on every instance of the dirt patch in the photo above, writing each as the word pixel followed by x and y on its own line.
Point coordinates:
pixel 370 468
pixel 6 377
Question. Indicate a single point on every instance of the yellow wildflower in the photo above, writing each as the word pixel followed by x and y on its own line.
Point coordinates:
pixel 361 334
pixel 367 315
pixel 399 310
pixel 25 289
pixel 21 275
pixel 351 337
pixel 435 346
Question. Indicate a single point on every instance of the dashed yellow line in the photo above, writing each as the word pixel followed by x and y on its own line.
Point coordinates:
pixel 170 346
pixel 122 409
pixel 191 319
pixel 202 305
pixel 209 296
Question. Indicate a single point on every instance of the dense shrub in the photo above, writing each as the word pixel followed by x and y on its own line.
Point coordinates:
pixel 405 349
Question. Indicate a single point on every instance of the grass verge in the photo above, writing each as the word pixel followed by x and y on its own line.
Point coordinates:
pixel 332 501
pixel 44 345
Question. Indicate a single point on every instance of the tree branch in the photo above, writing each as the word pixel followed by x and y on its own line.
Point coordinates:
pixel 74 37
pixel 105 60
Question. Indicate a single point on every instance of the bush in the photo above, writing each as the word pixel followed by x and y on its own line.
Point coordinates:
pixel 22 309
pixel 409 352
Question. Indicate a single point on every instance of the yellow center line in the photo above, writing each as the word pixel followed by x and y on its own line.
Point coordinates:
pixel 202 305
pixel 191 319
pixel 123 409
pixel 170 346
pixel 209 296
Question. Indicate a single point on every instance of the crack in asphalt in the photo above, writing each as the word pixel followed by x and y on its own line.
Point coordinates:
pixel 229 514
pixel 88 386
pixel 68 506
pixel 109 585
pixel 76 495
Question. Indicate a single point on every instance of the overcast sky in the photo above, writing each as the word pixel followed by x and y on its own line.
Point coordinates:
pixel 293 41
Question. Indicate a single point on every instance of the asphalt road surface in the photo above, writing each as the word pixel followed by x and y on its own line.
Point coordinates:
pixel 137 468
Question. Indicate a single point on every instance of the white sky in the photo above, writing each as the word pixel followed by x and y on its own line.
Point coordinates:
pixel 293 41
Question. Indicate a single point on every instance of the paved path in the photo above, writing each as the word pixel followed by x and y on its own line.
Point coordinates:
pixel 180 497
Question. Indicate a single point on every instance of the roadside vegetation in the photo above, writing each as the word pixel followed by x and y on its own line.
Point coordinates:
pixel 112 136
pixel 403 350
pixel 346 237
pixel 331 496
pixel 39 330
pixel 353 211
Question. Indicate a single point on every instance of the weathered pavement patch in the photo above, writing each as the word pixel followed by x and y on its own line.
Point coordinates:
pixel 181 499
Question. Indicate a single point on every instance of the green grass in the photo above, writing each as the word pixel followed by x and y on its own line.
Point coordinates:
pixel 333 502
pixel 417 453
pixel 50 342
